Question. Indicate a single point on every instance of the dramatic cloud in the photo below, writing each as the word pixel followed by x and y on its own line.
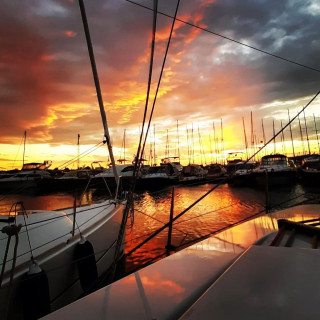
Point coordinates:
pixel 46 83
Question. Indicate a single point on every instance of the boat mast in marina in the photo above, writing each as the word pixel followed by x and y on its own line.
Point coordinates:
pixel 315 126
pixel 245 137
pixel 215 142
pixel 178 146
pixel 283 139
pixel 188 143
pixel 24 146
pixel 305 122
pixel 294 156
pixel 301 136
pixel 78 144
pixel 123 160
pixel 222 145
pixel 98 89
pixel 274 138
pixel 192 138
pixel 264 135
pixel 252 136
pixel 154 145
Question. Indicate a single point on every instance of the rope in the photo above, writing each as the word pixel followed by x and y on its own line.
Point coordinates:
pixel 10 230
pixel 26 226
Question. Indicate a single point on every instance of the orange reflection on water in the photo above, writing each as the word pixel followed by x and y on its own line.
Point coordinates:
pixel 43 202
pixel 221 208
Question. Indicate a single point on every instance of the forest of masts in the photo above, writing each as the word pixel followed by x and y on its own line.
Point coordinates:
pixel 191 146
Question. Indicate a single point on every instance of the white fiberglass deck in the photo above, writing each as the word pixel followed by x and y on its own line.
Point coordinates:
pixel 169 288
pixel 266 283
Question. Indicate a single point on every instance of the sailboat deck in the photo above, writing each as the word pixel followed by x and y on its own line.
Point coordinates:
pixel 218 278
pixel 265 283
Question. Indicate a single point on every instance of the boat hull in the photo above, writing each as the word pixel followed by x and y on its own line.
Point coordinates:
pixel 59 261
pixel 308 177
pixel 154 183
pixel 245 180
pixel 274 178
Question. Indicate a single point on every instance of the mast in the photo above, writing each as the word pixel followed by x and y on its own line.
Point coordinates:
pixel 294 156
pixel 78 151
pixel 305 122
pixel 256 142
pixel 215 142
pixel 201 149
pixel 124 146
pixel 189 157
pixel 211 152
pixel 98 89
pixel 245 137
pixel 192 138
pixel 222 146
pixel 282 138
pixel 301 136
pixel 178 140
pixel 24 146
pixel 154 144
pixel 167 145
pixel 264 135
pixel 150 150
pixel 315 125
pixel 274 138
pixel 252 137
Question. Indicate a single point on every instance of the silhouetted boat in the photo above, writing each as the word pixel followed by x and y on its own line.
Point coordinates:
pixel 309 172
pixel 242 176
pixel 276 170
pixel 192 174
pixel 28 177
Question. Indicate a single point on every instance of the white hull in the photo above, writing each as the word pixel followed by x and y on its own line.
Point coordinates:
pixel 54 247
pixel 234 274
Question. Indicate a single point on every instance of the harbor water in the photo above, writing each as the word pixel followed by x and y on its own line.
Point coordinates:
pixel 224 206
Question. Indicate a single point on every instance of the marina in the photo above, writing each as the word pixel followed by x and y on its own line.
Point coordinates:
pixel 166 205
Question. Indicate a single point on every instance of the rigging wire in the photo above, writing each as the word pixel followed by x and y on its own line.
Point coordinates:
pixel 288 124
pixel 228 38
pixel 216 186
pixel 82 154
pixel 161 72
pixel 155 219
pixel 14 161
pixel 129 204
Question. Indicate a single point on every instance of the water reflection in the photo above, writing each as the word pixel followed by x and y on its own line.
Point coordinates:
pixel 223 207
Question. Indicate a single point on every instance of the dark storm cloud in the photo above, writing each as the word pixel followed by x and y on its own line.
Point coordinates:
pixel 285 28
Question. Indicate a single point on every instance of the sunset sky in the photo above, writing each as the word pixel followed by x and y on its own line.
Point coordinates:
pixel 47 86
